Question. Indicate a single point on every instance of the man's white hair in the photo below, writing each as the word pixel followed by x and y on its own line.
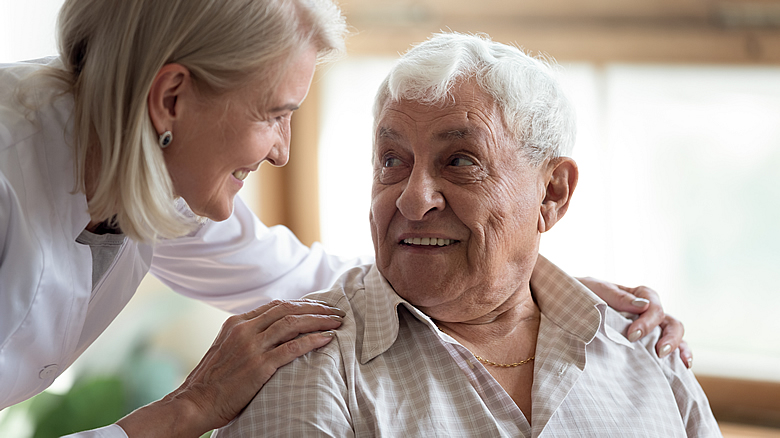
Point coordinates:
pixel 535 110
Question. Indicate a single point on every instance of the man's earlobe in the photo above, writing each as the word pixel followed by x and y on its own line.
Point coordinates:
pixel 541 226
pixel 562 180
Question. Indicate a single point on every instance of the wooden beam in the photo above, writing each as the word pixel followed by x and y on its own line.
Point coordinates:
pixel 743 401
pixel 302 173
pixel 289 195
pixel 602 42
pixel 498 9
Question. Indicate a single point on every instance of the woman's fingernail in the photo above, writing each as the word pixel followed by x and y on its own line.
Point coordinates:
pixel 689 363
pixel 635 335
pixel 328 334
pixel 640 302
pixel 337 311
pixel 666 349
pixel 336 317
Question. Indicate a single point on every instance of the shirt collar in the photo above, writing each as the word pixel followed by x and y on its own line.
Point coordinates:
pixel 565 301
pixel 571 306
pixel 561 298
pixel 382 305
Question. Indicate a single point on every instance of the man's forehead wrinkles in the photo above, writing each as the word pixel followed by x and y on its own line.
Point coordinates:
pixel 448 124
pixel 486 124
pixel 389 133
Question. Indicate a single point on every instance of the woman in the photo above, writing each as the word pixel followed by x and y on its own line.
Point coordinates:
pixel 149 120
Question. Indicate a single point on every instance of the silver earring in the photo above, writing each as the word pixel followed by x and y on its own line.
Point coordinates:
pixel 165 139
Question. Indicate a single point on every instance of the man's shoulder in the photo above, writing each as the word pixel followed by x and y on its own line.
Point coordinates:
pixel 345 290
pixel 347 294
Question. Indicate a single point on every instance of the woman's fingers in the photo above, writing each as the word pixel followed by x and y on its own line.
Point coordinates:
pixel 647 304
pixel 672 329
pixel 672 332
pixel 617 297
pixel 288 327
pixel 271 312
pixel 686 354
pixel 650 317
pixel 292 349
pixel 640 300
pixel 247 352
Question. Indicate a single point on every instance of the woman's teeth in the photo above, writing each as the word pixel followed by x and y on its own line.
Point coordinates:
pixel 432 241
pixel 241 174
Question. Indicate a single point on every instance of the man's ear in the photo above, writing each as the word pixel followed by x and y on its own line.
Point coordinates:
pixel 562 175
pixel 164 104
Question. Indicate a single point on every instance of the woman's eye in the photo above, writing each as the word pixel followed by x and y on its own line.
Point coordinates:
pixel 461 161
pixel 392 162
pixel 282 117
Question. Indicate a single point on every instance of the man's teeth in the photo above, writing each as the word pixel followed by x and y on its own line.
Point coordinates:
pixel 432 241
pixel 241 174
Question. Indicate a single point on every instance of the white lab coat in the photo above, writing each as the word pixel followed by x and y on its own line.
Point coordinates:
pixel 48 313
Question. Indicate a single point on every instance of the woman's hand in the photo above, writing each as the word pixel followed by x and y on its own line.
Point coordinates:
pixel 247 352
pixel 645 302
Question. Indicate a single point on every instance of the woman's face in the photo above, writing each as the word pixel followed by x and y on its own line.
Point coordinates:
pixel 218 141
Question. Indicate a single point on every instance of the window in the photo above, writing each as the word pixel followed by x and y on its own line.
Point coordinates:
pixel 27 29
pixel 677 191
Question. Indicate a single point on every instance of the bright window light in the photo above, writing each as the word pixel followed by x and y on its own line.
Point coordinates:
pixel 677 191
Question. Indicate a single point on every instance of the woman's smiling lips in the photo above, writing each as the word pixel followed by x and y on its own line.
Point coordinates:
pixel 241 174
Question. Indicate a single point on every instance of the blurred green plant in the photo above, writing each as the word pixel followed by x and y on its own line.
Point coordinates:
pixel 140 360
pixel 91 403
pixel 97 400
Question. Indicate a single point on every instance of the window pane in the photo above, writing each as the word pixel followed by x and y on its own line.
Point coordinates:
pixel 345 152
pixel 694 187
pixel 27 29
pixel 676 192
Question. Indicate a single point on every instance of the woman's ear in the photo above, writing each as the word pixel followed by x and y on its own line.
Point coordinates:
pixel 163 101
pixel 562 175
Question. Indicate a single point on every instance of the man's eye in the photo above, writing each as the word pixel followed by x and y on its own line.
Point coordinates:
pixel 392 162
pixel 461 161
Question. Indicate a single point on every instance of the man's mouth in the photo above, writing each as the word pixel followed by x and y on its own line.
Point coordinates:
pixel 428 241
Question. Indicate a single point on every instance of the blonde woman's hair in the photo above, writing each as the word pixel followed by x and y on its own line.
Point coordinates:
pixel 112 50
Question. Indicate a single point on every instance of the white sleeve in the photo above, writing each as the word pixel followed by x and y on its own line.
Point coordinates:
pixel 112 431
pixel 239 264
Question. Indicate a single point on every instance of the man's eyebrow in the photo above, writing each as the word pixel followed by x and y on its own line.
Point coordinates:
pixel 454 134
pixel 388 133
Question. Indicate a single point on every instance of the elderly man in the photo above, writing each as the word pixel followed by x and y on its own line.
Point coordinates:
pixel 461 328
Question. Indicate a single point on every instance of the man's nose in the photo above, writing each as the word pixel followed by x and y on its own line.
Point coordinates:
pixel 421 195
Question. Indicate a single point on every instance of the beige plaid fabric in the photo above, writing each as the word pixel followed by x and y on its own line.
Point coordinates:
pixel 390 372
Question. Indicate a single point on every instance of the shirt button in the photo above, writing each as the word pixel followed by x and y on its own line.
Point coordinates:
pixel 49 372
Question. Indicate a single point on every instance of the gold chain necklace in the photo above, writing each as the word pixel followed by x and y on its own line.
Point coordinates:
pixel 490 362
pixel 504 365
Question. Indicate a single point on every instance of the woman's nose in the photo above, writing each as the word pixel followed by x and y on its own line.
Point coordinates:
pixel 420 196
pixel 280 152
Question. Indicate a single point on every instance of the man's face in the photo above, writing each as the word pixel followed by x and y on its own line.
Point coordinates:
pixel 455 206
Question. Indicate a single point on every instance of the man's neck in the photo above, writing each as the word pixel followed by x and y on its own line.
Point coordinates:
pixel 502 336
